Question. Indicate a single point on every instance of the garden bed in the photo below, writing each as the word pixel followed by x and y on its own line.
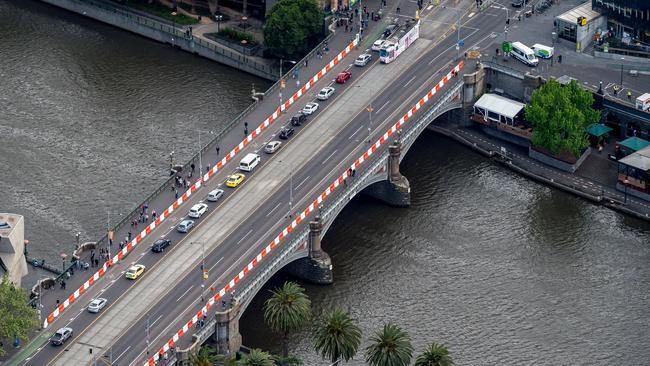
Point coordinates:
pixel 162 12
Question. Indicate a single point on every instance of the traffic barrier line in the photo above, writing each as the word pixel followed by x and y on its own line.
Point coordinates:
pixel 185 196
pixel 303 215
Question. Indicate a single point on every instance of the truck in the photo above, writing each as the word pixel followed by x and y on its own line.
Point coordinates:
pixel 400 41
pixel 643 102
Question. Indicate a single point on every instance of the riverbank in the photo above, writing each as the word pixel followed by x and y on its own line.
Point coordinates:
pixel 508 155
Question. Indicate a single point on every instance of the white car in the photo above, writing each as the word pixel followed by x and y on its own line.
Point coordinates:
pixel 325 93
pixel 272 147
pixel 197 210
pixel 310 108
pixel 214 196
pixel 96 305
pixel 363 60
pixel 377 45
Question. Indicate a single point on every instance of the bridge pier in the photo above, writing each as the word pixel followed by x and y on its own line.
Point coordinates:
pixel 226 334
pixel 396 191
pixel 317 267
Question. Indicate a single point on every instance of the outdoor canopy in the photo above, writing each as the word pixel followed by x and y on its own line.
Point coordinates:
pixel 634 143
pixel 598 129
pixel 639 160
pixel 500 105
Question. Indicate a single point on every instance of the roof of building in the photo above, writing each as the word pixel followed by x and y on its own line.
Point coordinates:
pixel 634 143
pixel 639 160
pixel 7 223
pixel 501 105
pixel 583 10
pixel 598 129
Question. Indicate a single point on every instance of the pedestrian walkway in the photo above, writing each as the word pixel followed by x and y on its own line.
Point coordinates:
pixel 142 216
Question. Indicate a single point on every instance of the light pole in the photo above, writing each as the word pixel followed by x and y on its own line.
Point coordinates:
pixel 554 36
pixel 171 161
pixel 148 317
pixel 204 271
pixel 458 37
pixel 218 18
pixel 369 109
pixel 200 160
pixel 622 60
pixel 626 182
pixel 282 61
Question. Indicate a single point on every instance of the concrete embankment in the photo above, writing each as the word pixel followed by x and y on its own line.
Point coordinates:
pixel 595 198
pixel 165 33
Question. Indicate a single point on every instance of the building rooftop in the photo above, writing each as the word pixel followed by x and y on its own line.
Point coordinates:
pixel 583 10
pixel 639 160
pixel 498 104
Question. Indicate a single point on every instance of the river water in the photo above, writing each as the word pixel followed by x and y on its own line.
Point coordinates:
pixel 501 269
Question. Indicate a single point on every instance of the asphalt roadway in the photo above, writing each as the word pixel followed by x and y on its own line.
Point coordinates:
pixel 183 300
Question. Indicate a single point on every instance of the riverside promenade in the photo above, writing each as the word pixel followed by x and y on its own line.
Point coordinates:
pixel 214 151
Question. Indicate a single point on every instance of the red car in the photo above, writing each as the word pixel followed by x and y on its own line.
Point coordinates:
pixel 343 77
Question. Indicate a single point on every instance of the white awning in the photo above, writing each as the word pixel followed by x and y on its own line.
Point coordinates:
pixel 497 104
pixel 582 10
pixel 639 160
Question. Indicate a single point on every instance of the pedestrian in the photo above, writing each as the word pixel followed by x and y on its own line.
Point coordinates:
pixel 559 59
pixel 187 184
pixel 298 83
pixel 398 10
pixel 146 218
pixel 306 62
pixel 63 284
pixel 346 27
pixel 129 236
pixel 207 169
pixel 193 167
pixel 96 262
pixel 629 95
pixel 218 146
pixel 354 171
pixel 72 270
pixel 153 215
pixel 146 207
pixel 176 193
pixel 121 245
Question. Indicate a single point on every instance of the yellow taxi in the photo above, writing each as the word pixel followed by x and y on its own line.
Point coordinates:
pixel 135 271
pixel 235 179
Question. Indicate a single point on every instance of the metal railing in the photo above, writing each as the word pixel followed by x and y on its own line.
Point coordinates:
pixel 137 18
pixel 503 69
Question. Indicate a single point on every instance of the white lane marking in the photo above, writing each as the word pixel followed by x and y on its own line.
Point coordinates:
pixel 121 354
pixel 429 7
pixel 184 293
pixel 355 132
pixel 471 14
pixel 273 209
pixel 329 157
pixel 303 181
pixel 382 107
pixel 154 322
pixel 168 231
pixel 408 82
pixel 245 235
pixel 210 269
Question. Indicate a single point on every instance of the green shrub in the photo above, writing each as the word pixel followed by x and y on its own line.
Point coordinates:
pixel 161 11
pixel 237 36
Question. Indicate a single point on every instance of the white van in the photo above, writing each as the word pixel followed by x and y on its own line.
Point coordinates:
pixel 524 54
pixel 543 51
pixel 249 162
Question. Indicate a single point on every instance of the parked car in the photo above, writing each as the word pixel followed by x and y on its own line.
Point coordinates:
pixel 363 60
pixel 325 93
pixel 135 271
pixel 272 147
pixel 96 305
pixel 234 180
pixel 342 77
pixel 61 336
pixel 197 210
pixel 286 132
pixel 310 108
pixel 185 226
pixel 160 245
pixel 377 45
pixel 298 119
pixel 214 196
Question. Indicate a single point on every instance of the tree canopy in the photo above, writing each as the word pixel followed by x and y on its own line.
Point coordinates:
pixel 390 346
pixel 292 27
pixel 17 318
pixel 337 336
pixel 287 310
pixel 435 355
pixel 560 115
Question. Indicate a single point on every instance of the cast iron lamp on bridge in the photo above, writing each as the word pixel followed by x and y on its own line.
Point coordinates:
pixel 282 61
pixel 204 271
pixel 370 109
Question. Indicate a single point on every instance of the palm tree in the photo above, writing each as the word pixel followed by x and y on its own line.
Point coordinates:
pixel 206 356
pixel 257 357
pixel 435 355
pixel 389 347
pixel 287 310
pixel 337 336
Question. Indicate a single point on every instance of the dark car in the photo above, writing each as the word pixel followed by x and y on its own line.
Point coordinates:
pixel 298 119
pixel 61 336
pixel 160 245
pixel 517 3
pixel 286 132
pixel 389 30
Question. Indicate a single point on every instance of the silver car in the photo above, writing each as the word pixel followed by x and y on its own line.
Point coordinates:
pixel 325 93
pixel 363 60
pixel 96 305
pixel 214 196
pixel 61 336
pixel 272 147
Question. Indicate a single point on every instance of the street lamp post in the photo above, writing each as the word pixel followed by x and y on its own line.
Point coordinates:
pixel 282 61
pixel 622 60
pixel 204 271
pixel 171 162
pixel 369 109
pixel 218 19
pixel 625 182
pixel 200 159
pixel 553 35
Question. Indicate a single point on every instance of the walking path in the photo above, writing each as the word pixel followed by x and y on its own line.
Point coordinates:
pixel 236 131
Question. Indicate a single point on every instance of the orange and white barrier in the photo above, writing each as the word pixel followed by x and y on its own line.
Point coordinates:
pixel 185 196
pixel 303 215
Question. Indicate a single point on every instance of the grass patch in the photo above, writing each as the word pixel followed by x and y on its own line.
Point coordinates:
pixel 162 12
